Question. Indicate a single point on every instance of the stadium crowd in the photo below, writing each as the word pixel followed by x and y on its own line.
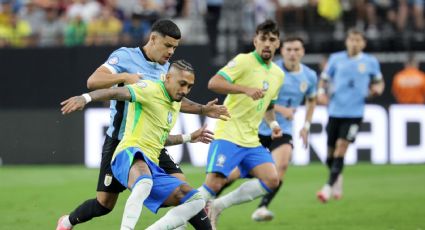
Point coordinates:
pixel 388 24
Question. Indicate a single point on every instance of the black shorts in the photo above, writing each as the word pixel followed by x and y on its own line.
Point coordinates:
pixel 108 183
pixel 345 128
pixel 270 144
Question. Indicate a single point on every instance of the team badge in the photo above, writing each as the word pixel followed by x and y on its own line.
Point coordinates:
pixel 220 160
pixel 113 60
pixel 108 180
pixel 142 84
pixel 303 87
pixel 170 117
pixel 231 64
pixel 265 85
pixel 362 67
pixel 162 77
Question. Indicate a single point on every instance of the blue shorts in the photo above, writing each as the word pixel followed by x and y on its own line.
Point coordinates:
pixel 163 184
pixel 224 156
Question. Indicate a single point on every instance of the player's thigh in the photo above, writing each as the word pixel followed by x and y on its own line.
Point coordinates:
pixel 167 163
pixel 138 169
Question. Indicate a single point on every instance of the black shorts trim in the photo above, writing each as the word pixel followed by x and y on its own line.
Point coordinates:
pixel 270 144
pixel 106 181
pixel 167 163
pixel 344 128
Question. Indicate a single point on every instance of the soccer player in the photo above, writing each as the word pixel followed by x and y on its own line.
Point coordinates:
pixel 251 82
pixel 348 79
pixel 125 66
pixel 150 117
pixel 300 83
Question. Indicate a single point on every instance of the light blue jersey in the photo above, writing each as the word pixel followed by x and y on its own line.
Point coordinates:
pixel 349 79
pixel 297 85
pixel 134 61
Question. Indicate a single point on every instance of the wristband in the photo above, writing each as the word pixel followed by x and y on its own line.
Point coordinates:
pixel 86 97
pixel 307 125
pixel 186 138
pixel 274 124
pixel 321 91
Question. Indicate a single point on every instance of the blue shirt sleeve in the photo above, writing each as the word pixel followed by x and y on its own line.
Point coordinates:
pixel 118 60
pixel 376 74
pixel 312 87
pixel 329 70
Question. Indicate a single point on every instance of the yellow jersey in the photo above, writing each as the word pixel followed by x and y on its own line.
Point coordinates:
pixel 150 117
pixel 251 71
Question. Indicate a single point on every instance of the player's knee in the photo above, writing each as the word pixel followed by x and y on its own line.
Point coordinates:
pixel 272 182
pixel 107 200
pixel 215 182
pixel 101 210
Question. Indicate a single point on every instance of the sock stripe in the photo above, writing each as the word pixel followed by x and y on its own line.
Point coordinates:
pixel 211 192
pixel 265 186
pixel 188 196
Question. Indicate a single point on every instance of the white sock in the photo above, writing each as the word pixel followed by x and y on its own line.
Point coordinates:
pixel 66 222
pixel 134 204
pixel 180 214
pixel 205 193
pixel 183 227
pixel 245 192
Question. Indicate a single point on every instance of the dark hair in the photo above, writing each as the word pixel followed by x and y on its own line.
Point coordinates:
pixel 268 26
pixel 293 39
pixel 183 65
pixel 166 28
pixel 355 31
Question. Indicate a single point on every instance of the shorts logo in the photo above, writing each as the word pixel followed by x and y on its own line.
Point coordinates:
pixel 170 117
pixel 108 180
pixel 303 87
pixel 113 60
pixel 220 160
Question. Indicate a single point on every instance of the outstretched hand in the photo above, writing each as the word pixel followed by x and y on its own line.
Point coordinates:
pixel 211 109
pixel 276 132
pixel 73 104
pixel 202 135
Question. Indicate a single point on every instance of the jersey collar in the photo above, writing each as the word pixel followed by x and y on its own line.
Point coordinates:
pixel 260 60
pixel 164 90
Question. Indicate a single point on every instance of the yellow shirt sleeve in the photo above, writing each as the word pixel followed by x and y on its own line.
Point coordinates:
pixel 142 91
pixel 234 68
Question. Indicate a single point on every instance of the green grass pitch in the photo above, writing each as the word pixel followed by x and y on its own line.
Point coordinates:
pixel 375 197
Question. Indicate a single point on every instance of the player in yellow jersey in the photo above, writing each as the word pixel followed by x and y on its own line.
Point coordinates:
pixel 150 117
pixel 252 81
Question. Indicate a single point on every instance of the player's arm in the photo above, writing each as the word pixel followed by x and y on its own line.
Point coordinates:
pixel 310 104
pixel 322 97
pixel 201 135
pixel 286 112
pixel 219 84
pixel 79 102
pixel 376 88
pixel 270 119
pixel 103 78
pixel 211 109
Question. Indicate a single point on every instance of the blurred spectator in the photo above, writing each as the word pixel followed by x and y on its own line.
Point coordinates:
pixel 87 9
pixel 212 17
pixel 135 30
pixel 50 30
pixel 417 11
pixel 104 30
pixel 380 12
pixel 75 32
pixel 6 11
pixel 150 10
pixel 15 33
pixel 116 10
pixel 409 84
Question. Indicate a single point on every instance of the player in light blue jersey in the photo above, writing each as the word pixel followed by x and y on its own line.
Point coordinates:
pixel 126 66
pixel 300 82
pixel 349 78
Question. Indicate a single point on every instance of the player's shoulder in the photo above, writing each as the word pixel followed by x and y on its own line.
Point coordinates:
pixel 309 71
pixel 151 85
pixel 370 57
pixel 276 69
pixel 125 50
pixel 338 55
